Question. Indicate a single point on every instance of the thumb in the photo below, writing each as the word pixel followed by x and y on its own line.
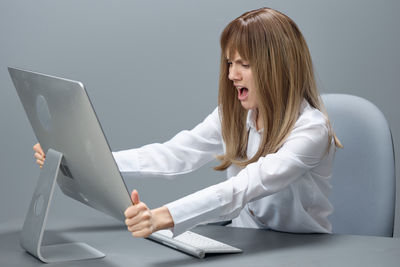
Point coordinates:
pixel 135 197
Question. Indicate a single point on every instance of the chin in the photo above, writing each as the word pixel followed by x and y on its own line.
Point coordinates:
pixel 246 106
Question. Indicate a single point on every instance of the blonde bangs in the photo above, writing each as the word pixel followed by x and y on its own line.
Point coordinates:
pixel 235 39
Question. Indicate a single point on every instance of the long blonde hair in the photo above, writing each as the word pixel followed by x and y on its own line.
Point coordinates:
pixel 283 72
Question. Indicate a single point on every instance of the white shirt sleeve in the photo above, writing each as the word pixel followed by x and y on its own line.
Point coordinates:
pixel 303 150
pixel 185 152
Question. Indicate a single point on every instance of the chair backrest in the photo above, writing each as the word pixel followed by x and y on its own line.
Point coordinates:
pixel 363 181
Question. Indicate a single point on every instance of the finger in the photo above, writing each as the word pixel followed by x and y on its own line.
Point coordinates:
pixel 130 212
pixel 138 214
pixel 37 147
pixel 39 162
pixel 143 225
pixel 134 210
pixel 131 221
pixel 135 197
pixel 137 226
pixel 141 216
pixel 142 233
pixel 38 156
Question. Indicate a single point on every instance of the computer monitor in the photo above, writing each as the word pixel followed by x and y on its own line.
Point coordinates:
pixel 78 157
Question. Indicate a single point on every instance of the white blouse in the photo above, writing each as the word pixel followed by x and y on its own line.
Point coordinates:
pixel 284 191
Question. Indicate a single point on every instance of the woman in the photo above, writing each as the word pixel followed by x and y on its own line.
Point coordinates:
pixel 269 131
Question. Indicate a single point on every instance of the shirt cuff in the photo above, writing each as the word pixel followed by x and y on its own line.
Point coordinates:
pixel 193 210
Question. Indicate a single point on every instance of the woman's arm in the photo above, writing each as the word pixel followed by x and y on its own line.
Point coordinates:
pixel 302 151
pixel 185 152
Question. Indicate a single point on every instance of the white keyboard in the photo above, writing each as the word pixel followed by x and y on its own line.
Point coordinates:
pixel 203 242
pixel 193 243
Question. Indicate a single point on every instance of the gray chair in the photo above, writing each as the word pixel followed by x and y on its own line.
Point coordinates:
pixel 363 192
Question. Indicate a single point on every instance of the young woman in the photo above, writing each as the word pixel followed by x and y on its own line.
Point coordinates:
pixel 269 131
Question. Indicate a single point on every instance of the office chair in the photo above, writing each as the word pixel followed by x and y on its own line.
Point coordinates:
pixel 363 181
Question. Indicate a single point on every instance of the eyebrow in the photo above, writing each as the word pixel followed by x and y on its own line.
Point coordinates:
pixel 238 61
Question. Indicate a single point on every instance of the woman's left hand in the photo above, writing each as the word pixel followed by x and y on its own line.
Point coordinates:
pixel 139 218
pixel 142 221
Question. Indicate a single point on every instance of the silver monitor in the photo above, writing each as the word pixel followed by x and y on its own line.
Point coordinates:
pixel 78 157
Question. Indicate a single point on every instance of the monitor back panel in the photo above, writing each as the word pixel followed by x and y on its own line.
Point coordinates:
pixel 62 118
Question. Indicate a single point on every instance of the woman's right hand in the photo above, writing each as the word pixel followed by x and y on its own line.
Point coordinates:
pixel 39 155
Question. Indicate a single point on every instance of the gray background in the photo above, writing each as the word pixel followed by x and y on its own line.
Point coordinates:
pixel 151 70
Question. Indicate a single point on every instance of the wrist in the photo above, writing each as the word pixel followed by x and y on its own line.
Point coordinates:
pixel 162 218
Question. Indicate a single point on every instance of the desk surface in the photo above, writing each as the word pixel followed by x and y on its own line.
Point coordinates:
pixel 261 248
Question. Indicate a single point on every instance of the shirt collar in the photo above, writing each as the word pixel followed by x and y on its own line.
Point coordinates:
pixel 251 119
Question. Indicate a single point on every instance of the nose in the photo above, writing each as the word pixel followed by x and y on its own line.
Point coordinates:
pixel 234 73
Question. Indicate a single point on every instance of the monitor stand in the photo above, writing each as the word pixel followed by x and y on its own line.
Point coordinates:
pixel 35 221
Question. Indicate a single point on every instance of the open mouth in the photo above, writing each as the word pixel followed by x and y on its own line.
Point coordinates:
pixel 243 93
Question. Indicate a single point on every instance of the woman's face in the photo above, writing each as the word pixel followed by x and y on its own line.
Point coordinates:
pixel 242 77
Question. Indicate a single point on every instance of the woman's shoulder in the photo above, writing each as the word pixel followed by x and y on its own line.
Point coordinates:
pixel 310 118
pixel 312 125
pixel 215 115
pixel 212 119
